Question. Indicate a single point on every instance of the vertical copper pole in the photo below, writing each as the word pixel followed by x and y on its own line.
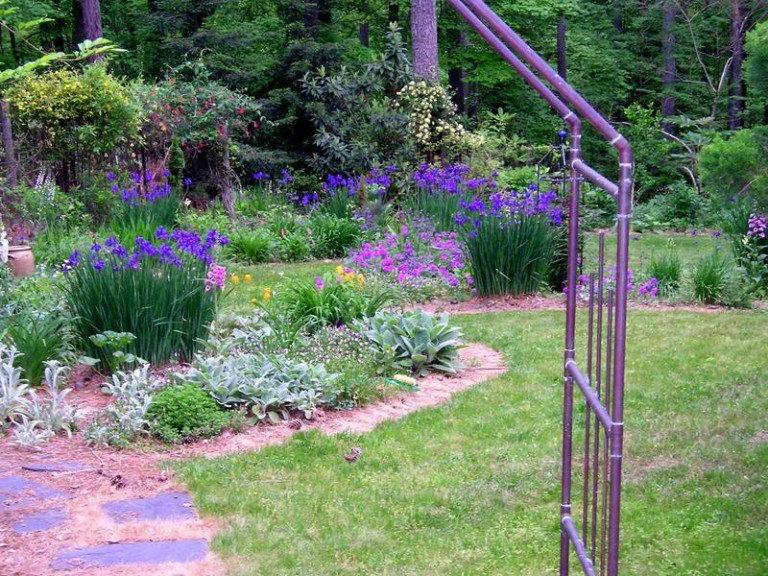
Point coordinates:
pixel 569 353
pixel 588 411
pixel 619 355
pixel 606 477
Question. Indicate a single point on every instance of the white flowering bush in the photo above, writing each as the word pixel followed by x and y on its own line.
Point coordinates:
pixel 432 117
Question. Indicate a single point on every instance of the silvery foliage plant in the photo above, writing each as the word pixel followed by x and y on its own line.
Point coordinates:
pixel 269 385
pixel 42 417
pixel 125 418
pixel 13 387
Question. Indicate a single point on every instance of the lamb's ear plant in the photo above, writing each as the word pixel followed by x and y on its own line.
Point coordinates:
pixel 415 341
pixel 13 388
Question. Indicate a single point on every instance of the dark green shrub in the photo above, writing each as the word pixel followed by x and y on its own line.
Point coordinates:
pixel 737 168
pixel 184 413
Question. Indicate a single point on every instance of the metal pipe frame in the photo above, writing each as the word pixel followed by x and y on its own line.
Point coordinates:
pixel 516 51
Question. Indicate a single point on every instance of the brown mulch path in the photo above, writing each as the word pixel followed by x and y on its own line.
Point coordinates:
pixel 117 475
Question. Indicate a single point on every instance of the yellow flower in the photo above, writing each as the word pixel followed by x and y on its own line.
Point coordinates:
pixel 339 270
pixel 235 279
pixel 254 301
pixel 360 279
pixel 247 278
pixel 349 276
pixel 267 294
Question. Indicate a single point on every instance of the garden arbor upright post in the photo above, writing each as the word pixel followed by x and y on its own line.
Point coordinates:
pixel 608 420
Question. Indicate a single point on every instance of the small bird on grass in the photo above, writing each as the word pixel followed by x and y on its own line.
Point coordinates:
pixel 353 455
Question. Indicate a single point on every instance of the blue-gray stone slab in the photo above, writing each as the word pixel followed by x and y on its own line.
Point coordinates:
pixel 17 492
pixel 40 521
pixel 165 506
pixel 55 467
pixel 131 553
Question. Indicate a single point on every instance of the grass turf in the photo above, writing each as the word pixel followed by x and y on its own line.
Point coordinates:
pixel 472 487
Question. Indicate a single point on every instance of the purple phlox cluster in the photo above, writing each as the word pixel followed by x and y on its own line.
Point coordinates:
pixel 757 226
pixel 216 277
pixel 259 176
pixel 285 176
pixel 649 288
pixel 415 256
pixel 187 182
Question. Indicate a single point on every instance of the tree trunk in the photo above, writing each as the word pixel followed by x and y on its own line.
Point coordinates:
pixel 457 78
pixel 424 36
pixel 86 15
pixel 311 17
pixel 617 23
pixel 668 42
pixel 9 160
pixel 394 12
pixel 225 177
pixel 736 108
pixel 562 67
pixel 364 31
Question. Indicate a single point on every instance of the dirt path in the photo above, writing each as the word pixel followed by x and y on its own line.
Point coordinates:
pixel 88 507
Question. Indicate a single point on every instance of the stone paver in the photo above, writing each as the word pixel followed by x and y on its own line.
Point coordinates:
pixel 165 506
pixel 17 492
pixel 40 521
pixel 131 553
pixel 55 467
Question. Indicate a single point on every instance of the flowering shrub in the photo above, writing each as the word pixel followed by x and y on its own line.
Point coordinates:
pixel 432 118
pixel 415 258
pixel 164 291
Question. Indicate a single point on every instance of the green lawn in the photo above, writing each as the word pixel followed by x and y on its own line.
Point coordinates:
pixel 472 487
pixel 690 248
pixel 273 276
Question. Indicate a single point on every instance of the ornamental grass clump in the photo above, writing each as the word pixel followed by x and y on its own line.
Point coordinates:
pixel 163 291
pixel 511 241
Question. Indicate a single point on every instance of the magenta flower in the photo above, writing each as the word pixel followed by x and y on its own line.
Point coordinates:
pixel 216 277
pixel 319 283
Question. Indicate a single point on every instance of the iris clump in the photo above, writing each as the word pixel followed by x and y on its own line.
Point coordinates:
pixel 163 290
pixel 511 240
pixel 147 201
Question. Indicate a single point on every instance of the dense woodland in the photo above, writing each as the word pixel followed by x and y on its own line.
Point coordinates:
pixel 321 83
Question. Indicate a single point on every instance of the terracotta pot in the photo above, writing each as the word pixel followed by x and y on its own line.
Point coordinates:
pixel 21 260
